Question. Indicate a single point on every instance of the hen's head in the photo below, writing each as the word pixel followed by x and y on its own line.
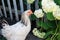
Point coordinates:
pixel 28 12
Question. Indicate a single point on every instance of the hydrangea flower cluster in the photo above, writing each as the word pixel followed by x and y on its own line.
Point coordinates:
pixel 39 13
pixel 52 11
pixel 38 34
pixel 56 14
pixel 30 1
pixel 51 6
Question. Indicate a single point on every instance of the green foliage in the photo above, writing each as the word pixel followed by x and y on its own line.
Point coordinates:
pixel 48 34
pixel 58 26
pixel 49 24
pixel 33 17
pixel 58 37
pixel 43 25
pixel 57 2
pixel 48 39
pixel 40 4
pixel 46 25
pixel 50 16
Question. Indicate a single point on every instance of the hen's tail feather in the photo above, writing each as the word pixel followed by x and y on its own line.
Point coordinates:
pixel 4 21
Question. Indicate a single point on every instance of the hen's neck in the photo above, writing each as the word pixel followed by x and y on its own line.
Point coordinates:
pixel 25 20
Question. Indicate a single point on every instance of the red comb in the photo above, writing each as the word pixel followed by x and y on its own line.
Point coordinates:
pixel 29 12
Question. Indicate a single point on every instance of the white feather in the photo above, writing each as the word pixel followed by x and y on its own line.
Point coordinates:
pixel 18 31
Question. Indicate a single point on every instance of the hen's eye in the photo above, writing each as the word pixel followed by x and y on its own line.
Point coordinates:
pixel 28 12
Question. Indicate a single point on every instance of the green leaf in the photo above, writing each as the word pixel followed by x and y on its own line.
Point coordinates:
pixel 58 26
pixel 40 4
pixel 50 16
pixel 43 25
pixel 33 17
pixel 58 37
pixel 57 2
pixel 52 24
pixel 48 39
pixel 49 33
pixel 46 25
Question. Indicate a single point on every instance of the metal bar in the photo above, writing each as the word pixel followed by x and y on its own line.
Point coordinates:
pixel 4 8
pixel 15 8
pixel 28 6
pixel 1 12
pixel 36 7
pixel 8 2
pixel 36 4
pixel 7 9
pixel 21 6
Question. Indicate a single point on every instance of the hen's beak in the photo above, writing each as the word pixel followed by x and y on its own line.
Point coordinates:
pixel 29 12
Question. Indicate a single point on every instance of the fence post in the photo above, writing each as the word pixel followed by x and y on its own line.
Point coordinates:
pixel 36 8
pixel 28 6
pixel 1 12
pixel 4 8
pixel 36 4
pixel 8 2
pixel 15 8
pixel 21 6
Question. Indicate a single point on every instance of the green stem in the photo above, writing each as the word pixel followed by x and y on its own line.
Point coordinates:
pixel 55 31
pixel 41 27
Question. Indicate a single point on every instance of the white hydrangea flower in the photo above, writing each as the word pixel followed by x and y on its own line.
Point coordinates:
pixel 35 32
pixel 38 34
pixel 49 6
pixel 41 34
pixel 56 14
pixel 39 13
pixel 30 1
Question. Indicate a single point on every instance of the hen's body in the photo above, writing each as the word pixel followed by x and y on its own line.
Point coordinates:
pixel 17 31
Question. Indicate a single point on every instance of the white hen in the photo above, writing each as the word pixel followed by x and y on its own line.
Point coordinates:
pixel 20 30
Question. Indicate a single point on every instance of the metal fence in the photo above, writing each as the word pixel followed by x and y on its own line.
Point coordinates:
pixel 15 9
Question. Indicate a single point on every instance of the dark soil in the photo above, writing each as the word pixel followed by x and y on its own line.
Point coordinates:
pixel 32 37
